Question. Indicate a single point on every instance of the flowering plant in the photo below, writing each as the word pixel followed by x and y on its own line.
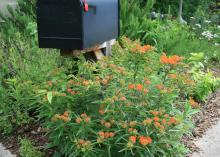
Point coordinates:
pixel 134 104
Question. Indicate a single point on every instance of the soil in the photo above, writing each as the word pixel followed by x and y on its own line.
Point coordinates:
pixel 33 132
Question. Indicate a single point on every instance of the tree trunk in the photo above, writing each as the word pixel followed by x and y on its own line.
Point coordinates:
pixel 180 16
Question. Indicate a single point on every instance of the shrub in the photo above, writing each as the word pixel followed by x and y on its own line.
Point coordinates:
pixel 133 104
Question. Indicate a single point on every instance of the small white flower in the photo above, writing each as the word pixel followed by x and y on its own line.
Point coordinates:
pixel 207 21
pixel 217 44
pixel 218 27
pixel 208 35
pixel 198 25
pixel 215 36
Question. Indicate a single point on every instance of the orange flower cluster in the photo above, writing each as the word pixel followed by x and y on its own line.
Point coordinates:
pixel 104 135
pixel 64 117
pixel 106 80
pixel 172 121
pixel 155 113
pixel 147 122
pixel 160 86
pixel 172 76
pixel 142 49
pixel 69 90
pixel 133 124
pixel 170 60
pixel 144 140
pixel 107 124
pixel 147 81
pixel 49 83
pixel 193 103
pixel 133 139
pixel 138 87
pixel 132 130
pixel 83 118
pixel 83 144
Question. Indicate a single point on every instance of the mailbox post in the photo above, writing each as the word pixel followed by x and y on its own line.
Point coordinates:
pixel 78 25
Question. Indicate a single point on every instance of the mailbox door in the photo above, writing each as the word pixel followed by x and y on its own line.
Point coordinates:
pixel 60 23
pixel 101 22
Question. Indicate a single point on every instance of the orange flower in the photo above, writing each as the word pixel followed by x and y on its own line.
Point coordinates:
pixel 172 76
pixel 160 86
pixel 107 135
pixel 105 81
pixel 63 94
pixel 101 112
pixel 69 90
pixel 86 83
pixel 166 115
pixel 50 83
pixel 73 93
pixel 84 115
pixel 112 65
pixel 133 139
pixel 172 121
pixel 71 82
pixel 66 113
pixel 155 113
pixel 78 120
pixel 136 48
pixel 111 134
pixel 102 134
pixel 64 118
pixel 131 86
pixel 146 48
pixel 87 119
pixel 139 87
pixel 133 123
pixel 142 49
pixel 156 119
pixel 157 124
pixel 107 124
pixel 123 98
pixel 147 122
pixel 130 130
pixel 146 91
pixel 147 82
pixel 170 60
pixel 163 121
pixel 145 140
pixel 193 103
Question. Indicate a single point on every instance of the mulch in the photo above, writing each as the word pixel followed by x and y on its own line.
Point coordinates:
pixel 32 132
pixel 209 116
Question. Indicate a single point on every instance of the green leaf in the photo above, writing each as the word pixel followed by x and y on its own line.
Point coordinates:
pixel 49 97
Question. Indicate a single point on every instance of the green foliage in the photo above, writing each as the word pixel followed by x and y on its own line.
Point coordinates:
pixel 98 111
pixel 27 149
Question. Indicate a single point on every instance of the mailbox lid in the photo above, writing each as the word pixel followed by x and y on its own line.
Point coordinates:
pixel 101 22
pixel 60 23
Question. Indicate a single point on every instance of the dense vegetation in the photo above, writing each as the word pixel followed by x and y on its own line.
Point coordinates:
pixel 138 101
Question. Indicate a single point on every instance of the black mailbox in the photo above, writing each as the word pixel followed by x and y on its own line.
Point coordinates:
pixel 77 24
